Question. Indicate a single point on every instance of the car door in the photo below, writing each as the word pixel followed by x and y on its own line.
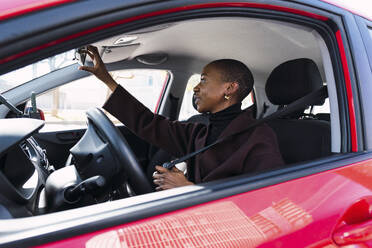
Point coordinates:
pixel 320 203
pixel 314 206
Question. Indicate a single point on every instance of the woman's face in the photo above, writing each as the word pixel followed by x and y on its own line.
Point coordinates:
pixel 210 92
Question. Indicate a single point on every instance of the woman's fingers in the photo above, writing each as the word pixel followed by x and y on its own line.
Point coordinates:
pixel 158 182
pixel 161 169
pixel 93 49
pixel 90 54
pixel 167 179
pixel 160 188
pixel 98 67
pixel 86 68
pixel 157 176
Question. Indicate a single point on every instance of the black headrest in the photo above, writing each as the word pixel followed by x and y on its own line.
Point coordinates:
pixel 292 80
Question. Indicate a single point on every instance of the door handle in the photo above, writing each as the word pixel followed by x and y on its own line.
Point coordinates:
pixel 352 234
pixel 355 226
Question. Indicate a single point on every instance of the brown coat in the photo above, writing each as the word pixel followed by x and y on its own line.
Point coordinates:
pixel 252 151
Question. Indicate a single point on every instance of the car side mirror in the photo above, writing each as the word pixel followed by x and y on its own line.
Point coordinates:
pixel 38 114
pixel 33 111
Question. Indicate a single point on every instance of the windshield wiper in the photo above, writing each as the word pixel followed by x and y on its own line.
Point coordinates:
pixel 3 100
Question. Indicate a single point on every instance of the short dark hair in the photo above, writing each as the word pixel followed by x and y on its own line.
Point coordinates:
pixel 235 71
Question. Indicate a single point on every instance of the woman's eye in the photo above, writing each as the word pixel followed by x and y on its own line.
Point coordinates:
pixel 202 80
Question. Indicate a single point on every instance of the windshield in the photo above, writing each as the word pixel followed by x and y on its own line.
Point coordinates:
pixel 15 78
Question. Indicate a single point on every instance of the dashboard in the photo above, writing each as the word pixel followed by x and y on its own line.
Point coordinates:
pixel 23 169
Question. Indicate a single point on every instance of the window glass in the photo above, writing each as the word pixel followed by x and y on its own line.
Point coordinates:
pixel 15 78
pixel 370 31
pixel 187 110
pixel 67 104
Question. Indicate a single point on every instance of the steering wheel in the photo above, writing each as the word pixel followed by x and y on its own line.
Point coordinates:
pixel 104 151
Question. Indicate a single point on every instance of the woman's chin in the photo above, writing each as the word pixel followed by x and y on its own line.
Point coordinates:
pixel 200 109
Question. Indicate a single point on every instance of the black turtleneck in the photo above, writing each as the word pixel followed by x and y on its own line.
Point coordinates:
pixel 220 120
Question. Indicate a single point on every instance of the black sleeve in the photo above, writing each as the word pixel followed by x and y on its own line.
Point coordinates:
pixel 172 136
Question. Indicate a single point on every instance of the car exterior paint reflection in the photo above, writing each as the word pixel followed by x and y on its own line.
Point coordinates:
pixel 268 217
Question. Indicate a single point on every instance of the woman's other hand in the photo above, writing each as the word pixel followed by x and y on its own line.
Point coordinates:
pixel 99 68
pixel 168 179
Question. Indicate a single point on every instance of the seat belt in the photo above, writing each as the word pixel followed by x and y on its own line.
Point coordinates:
pixel 301 103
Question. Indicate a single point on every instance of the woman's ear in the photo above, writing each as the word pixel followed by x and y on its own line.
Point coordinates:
pixel 232 89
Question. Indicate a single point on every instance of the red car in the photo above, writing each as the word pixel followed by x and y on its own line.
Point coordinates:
pixel 322 197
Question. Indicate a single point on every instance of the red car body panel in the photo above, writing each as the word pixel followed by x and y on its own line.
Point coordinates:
pixel 11 9
pixel 305 212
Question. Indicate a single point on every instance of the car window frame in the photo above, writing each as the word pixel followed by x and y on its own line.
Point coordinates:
pixel 365 28
pixel 318 9
pixel 346 122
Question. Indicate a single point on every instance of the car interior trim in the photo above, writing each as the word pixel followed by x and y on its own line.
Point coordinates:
pixel 162 93
pixel 352 119
pixel 333 97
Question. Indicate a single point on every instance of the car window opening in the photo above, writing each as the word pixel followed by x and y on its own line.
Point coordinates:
pixel 288 61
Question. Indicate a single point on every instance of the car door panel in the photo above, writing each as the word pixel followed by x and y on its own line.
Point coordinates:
pixel 306 212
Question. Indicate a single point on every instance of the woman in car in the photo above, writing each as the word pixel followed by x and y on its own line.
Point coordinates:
pixel 223 85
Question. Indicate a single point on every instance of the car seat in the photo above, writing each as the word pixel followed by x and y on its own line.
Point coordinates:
pixel 299 138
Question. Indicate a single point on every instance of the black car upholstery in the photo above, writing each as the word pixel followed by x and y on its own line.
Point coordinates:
pixel 299 138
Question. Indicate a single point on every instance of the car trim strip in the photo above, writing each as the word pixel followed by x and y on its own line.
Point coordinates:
pixel 30 7
pixel 163 12
pixel 349 93
pixel 162 92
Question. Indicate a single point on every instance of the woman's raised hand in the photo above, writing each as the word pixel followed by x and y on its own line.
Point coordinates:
pixel 98 69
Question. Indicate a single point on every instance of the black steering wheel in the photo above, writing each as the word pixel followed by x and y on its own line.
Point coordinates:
pixel 104 151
